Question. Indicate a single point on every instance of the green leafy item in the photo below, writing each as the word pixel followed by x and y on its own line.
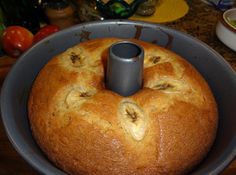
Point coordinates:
pixel 116 9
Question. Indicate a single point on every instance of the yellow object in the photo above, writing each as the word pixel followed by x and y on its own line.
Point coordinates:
pixel 166 11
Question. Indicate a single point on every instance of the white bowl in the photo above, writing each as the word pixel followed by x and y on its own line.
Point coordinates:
pixel 225 31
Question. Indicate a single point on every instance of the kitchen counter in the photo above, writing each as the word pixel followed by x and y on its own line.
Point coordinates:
pixel 200 22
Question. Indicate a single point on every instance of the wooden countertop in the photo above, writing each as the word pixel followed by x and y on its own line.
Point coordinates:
pixel 200 22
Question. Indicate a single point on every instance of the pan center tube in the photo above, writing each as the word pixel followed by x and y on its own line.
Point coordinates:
pixel 124 74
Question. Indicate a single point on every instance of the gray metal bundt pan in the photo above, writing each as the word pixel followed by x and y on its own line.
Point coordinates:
pixel 218 73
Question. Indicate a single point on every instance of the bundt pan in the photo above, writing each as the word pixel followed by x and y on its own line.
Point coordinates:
pixel 218 73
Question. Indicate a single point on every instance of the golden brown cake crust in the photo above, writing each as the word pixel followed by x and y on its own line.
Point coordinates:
pixel 165 128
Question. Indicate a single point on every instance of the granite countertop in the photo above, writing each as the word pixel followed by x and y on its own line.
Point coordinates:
pixel 200 22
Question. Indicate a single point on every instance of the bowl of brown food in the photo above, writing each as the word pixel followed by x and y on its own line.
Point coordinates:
pixel 226 28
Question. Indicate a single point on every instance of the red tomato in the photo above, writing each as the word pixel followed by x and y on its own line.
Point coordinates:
pixel 45 31
pixel 16 40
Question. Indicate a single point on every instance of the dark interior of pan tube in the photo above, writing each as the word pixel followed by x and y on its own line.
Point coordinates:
pixel 126 50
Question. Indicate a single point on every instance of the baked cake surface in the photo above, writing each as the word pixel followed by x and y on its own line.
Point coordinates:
pixel 166 128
